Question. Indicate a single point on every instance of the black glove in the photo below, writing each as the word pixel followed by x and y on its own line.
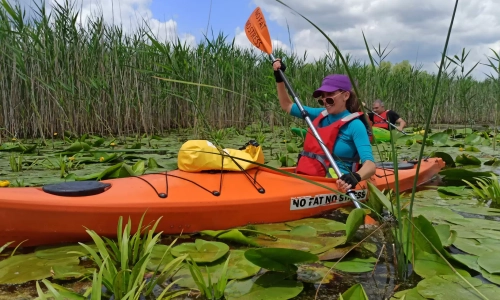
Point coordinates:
pixel 351 178
pixel 277 74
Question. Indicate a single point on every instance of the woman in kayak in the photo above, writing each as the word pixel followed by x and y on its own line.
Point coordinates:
pixel 341 127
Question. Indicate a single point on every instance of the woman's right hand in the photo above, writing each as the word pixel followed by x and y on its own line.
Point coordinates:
pixel 278 65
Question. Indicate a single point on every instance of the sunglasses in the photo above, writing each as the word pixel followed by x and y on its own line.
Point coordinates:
pixel 328 100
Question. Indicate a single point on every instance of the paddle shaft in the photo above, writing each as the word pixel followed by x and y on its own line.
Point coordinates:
pixel 304 113
pixel 395 127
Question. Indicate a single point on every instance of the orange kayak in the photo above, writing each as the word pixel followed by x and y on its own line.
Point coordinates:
pixel 188 202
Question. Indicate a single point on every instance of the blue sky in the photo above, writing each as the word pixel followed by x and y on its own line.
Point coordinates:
pixel 192 16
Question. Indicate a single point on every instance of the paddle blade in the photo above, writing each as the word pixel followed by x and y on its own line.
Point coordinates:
pixel 257 32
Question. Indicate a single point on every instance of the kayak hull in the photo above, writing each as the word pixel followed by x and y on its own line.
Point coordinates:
pixel 186 202
pixel 381 134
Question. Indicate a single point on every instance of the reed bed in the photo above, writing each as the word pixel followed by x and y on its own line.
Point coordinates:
pixel 56 75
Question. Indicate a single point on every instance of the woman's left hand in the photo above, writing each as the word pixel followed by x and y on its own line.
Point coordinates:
pixel 348 181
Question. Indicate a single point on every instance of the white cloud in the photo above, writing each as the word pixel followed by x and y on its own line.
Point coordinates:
pixel 129 14
pixel 414 30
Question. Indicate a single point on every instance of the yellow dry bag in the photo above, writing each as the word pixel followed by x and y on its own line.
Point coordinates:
pixel 202 155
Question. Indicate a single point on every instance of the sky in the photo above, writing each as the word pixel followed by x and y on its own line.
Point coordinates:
pixel 413 30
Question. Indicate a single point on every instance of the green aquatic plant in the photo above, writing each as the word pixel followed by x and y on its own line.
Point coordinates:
pixel 487 188
pixel 209 290
pixel 123 263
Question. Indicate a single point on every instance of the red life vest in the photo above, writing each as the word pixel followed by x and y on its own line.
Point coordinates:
pixel 379 122
pixel 312 160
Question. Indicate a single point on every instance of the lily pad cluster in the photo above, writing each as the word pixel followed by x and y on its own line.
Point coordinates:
pixel 452 243
pixel 270 261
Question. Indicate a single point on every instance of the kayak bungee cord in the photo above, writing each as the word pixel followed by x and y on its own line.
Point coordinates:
pixel 253 180
pixel 165 195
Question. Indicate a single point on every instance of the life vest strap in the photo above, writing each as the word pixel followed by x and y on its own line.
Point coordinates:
pixel 318 157
pixel 322 160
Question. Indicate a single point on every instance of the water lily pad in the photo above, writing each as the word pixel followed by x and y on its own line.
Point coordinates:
pixel 17 147
pixel 492 162
pixel 485 211
pixel 493 234
pixel 334 253
pixel 270 227
pixel 434 213
pixel 315 244
pixel 279 259
pixel 103 157
pixel 410 294
pixel 314 273
pixel 448 160
pixel 353 265
pixel 159 258
pixel 490 262
pixel 288 243
pixel 369 246
pixel 119 170
pixel 427 265
pixel 472 246
pixel 320 224
pixel 233 235
pixel 355 292
pixel 270 285
pixel 494 278
pixel 439 138
pixel 472 149
pixel 446 235
pixel 48 252
pixel 201 251
pixel 467 159
pixel 65 272
pixel 185 279
pixel 455 176
pixel 452 287
pixel 26 267
pixel 238 268
pixel 468 260
pixel 304 230
pixel 472 139
pixel 453 191
pixel 153 164
pixel 77 147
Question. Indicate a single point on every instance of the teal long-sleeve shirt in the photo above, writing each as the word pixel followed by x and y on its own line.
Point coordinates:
pixel 353 137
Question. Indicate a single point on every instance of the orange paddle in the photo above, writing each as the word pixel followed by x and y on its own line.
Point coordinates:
pixel 258 34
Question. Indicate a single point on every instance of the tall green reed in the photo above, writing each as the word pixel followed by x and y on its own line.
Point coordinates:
pixel 57 74
pixel 494 64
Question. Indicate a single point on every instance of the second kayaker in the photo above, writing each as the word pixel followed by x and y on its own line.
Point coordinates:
pixel 387 115
pixel 341 126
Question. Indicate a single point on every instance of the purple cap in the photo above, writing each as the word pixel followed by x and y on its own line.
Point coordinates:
pixel 333 82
